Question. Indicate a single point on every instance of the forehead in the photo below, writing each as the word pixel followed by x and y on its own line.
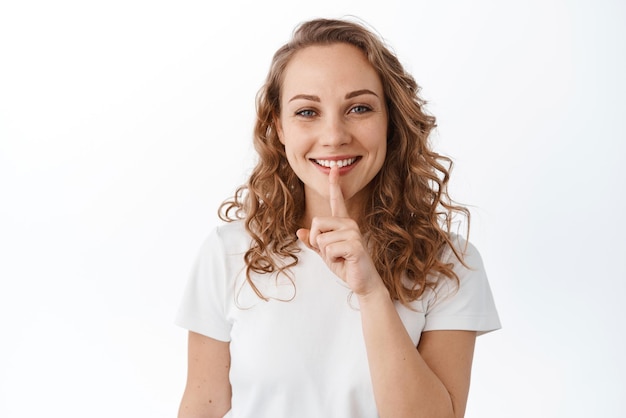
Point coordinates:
pixel 328 68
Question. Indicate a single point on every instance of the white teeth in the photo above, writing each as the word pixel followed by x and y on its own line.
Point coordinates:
pixel 333 163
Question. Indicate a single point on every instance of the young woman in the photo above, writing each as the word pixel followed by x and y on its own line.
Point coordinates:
pixel 336 288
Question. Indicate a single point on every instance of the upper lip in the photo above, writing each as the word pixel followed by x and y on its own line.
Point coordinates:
pixel 335 158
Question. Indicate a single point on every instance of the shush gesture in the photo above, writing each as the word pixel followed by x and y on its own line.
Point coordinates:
pixel 338 240
pixel 330 134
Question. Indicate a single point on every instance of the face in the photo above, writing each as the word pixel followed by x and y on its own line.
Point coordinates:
pixel 332 112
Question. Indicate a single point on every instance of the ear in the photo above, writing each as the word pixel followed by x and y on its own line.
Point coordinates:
pixel 279 129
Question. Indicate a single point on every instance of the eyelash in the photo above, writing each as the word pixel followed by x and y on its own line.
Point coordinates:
pixel 307 113
pixel 363 107
pixel 303 111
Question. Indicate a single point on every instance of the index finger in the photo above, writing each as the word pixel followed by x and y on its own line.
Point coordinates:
pixel 337 203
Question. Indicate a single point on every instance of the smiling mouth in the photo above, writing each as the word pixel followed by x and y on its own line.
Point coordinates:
pixel 339 163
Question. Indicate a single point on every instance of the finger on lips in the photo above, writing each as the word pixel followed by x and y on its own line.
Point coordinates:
pixel 337 208
pixel 337 203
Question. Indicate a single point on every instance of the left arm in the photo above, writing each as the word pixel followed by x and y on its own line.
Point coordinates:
pixel 430 381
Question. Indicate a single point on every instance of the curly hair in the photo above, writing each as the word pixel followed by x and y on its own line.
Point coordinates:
pixel 409 213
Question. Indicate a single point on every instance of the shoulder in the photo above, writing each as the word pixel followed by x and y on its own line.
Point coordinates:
pixel 230 237
pixel 234 229
pixel 465 260
pixel 223 249
pixel 461 251
pixel 467 303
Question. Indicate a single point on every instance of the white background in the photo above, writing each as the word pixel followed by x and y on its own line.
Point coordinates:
pixel 123 125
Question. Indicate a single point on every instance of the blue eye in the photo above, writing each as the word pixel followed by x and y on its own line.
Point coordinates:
pixel 360 109
pixel 307 113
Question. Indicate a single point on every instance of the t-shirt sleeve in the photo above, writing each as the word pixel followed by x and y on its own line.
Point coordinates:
pixel 468 307
pixel 203 306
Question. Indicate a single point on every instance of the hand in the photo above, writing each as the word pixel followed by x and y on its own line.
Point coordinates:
pixel 338 240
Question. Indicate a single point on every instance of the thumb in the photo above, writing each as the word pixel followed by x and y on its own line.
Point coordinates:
pixel 303 235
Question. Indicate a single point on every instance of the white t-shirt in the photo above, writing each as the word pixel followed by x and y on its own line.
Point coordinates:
pixel 301 353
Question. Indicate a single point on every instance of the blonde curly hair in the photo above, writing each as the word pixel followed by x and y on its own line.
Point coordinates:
pixel 409 213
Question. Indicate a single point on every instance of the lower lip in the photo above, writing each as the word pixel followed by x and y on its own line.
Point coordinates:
pixel 342 170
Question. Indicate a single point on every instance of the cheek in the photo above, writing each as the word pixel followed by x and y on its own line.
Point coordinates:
pixel 293 150
pixel 296 140
pixel 376 138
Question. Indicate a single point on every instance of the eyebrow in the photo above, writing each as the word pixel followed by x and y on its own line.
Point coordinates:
pixel 360 93
pixel 348 96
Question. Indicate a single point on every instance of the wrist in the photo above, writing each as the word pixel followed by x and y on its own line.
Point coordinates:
pixel 376 295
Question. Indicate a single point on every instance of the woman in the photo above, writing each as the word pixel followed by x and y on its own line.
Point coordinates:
pixel 336 288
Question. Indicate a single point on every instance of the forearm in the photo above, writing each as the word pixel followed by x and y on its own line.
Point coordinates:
pixel 404 385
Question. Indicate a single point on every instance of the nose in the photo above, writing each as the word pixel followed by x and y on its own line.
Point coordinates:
pixel 336 132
